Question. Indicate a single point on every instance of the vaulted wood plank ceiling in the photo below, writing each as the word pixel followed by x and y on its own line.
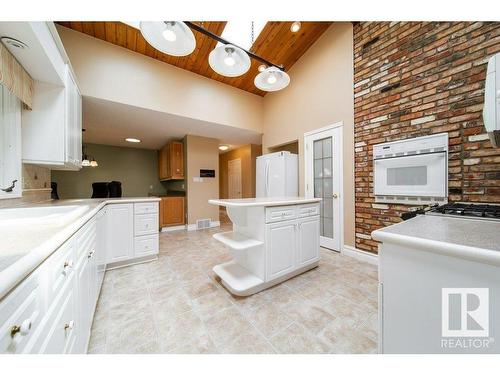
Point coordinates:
pixel 276 43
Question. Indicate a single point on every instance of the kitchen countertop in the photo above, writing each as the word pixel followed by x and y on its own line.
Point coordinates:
pixel 253 202
pixel 476 240
pixel 24 247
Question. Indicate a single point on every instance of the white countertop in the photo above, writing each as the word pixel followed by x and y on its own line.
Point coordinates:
pixel 476 240
pixel 253 202
pixel 24 247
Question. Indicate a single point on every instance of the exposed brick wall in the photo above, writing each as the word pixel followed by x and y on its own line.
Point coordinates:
pixel 419 78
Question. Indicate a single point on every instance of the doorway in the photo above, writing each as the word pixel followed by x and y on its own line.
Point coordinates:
pixel 234 178
pixel 324 179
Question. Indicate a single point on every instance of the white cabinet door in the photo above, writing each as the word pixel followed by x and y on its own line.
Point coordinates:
pixel 73 121
pixel 52 130
pixel 120 232
pixel 83 304
pixel 308 241
pixel 10 144
pixel 281 242
pixel 101 246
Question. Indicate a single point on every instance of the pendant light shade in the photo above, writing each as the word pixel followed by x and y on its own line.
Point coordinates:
pixel 174 38
pixel 229 61
pixel 272 79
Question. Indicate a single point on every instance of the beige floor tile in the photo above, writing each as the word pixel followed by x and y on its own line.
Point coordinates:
pixel 249 302
pixel 296 339
pixel 268 319
pixel 179 330
pixel 225 327
pixel 212 303
pixel 311 316
pixel 200 345
pixel 344 338
pixel 177 303
pixel 199 287
pixel 248 344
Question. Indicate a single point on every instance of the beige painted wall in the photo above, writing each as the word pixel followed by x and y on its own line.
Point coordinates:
pixel 320 94
pixel 110 72
pixel 136 169
pixel 201 153
pixel 248 155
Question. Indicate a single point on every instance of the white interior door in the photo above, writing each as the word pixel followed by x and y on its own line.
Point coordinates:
pixel 234 178
pixel 324 179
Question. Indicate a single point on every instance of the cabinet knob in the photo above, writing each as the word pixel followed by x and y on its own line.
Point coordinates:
pixel 23 329
pixel 67 266
pixel 335 196
pixel 69 325
pixel 91 254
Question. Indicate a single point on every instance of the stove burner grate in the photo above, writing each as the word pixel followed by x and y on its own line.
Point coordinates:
pixel 465 209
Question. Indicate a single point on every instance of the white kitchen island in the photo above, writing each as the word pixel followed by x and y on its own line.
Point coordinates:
pixel 273 239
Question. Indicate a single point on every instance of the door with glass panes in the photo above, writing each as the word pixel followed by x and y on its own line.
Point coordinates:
pixel 323 172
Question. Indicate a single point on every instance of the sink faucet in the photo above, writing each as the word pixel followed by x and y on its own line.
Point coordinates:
pixel 10 188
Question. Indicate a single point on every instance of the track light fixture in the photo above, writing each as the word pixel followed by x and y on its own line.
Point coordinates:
pixel 177 39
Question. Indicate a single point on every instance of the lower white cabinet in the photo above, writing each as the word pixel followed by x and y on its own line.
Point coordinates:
pixel 52 310
pixel 300 238
pixel 133 231
pixel 281 235
pixel 308 240
pixel 60 332
pixel 120 232
pixel 21 315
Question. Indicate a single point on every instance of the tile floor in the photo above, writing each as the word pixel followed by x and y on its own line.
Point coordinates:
pixel 176 305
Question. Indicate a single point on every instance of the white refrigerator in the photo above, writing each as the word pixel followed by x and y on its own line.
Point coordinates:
pixel 277 175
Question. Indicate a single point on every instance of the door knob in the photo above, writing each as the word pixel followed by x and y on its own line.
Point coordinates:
pixel 335 196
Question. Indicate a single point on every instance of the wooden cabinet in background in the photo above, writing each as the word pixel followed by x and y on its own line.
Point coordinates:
pixel 171 161
pixel 171 211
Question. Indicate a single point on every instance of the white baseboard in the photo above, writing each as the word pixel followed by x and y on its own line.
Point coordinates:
pixel 213 224
pixel 174 228
pixel 360 254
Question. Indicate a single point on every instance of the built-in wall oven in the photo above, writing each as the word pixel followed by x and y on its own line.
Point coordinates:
pixel 412 171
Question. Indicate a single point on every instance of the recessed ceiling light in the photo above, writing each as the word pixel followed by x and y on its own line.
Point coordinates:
pixel 133 140
pixel 14 43
pixel 295 26
pixel 262 67
pixel 223 147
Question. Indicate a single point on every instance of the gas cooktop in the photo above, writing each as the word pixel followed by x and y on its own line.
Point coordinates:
pixel 468 210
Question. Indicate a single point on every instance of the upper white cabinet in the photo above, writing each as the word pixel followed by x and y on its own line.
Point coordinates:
pixel 10 145
pixel 52 130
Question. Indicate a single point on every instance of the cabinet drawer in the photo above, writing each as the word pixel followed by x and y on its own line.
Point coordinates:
pixel 85 239
pixel 61 324
pixel 22 309
pixel 308 210
pixel 145 208
pixel 280 213
pixel 146 245
pixel 145 224
pixel 59 268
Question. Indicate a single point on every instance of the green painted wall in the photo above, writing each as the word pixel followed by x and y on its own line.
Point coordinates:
pixel 137 169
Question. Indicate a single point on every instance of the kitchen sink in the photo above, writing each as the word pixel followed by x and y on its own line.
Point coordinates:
pixel 50 215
